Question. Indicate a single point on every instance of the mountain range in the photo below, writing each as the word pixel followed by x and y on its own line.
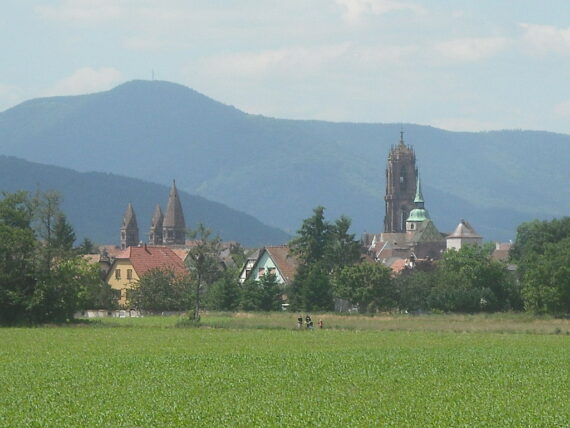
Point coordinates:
pixel 277 170
pixel 95 203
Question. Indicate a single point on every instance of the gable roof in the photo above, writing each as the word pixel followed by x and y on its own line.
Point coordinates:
pixel 284 261
pixel 147 257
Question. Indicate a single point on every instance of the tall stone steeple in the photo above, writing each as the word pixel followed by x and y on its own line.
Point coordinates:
pixel 156 225
pixel 419 213
pixel 401 177
pixel 174 226
pixel 129 228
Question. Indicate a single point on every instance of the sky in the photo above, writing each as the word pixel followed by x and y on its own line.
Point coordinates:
pixel 462 65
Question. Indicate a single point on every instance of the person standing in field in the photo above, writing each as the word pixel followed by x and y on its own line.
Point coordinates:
pixel 300 321
pixel 309 321
pixel 320 323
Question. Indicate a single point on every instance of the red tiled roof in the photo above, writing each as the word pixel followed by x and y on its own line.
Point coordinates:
pixel 146 258
pixel 285 262
pixel 398 266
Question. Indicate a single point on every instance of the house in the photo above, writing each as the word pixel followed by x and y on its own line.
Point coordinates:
pixel 275 260
pixel 133 262
pixel 463 235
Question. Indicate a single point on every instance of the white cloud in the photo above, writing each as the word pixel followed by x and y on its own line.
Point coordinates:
pixel 562 110
pixel 356 9
pixel 82 10
pixel 542 39
pixel 86 80
pixel 471 49
pixel 464 124
pixel 290 62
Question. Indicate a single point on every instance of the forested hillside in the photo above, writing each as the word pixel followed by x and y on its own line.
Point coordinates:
pixel 95 203
pixel 278 170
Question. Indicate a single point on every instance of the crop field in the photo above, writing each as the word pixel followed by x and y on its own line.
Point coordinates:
pixel 229 372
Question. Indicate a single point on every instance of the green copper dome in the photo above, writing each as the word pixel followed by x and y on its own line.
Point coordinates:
pixel 419 213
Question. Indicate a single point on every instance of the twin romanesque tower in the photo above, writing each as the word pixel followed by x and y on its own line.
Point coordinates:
pixel 169 229
pixel 401 182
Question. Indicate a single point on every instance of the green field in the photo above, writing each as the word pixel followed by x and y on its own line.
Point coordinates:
pixel 403 371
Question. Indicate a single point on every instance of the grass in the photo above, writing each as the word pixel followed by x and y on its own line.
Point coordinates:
pixel 370 371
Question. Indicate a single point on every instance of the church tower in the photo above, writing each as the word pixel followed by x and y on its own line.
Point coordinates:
pixel 156 225
pixel 401 176
pixel 129 229
pixel 173 225
pixel 419 214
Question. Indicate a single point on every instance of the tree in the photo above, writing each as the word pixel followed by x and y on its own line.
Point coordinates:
pixel 224 294
pixel 204 263
pixel 469 280
pixel 322 248
pixel 59 295
pixel 546 280
pixel 63 236
pixel 17 265
pixel 368 285
pixel 87 247
pixel 312 239
pixel 264 294
pixel 413 289
pixel 311 290
pixel 342 249
pixel 160 289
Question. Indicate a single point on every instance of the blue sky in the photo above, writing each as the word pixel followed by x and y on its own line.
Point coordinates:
pixel 458 65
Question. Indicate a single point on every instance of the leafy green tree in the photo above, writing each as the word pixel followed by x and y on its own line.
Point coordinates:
pixel 310 245
pixel 161 289
pixel 17 265
pixel 224 294
pixel 413 290
pixel 322 248
pixel 59 295
pixel 204 264
pixel 368 285
pixel 532 238
pixel 469 280
pixel 271 293
pixel 264 294
pixel 342 249
pixel 546 280
pixel 312 289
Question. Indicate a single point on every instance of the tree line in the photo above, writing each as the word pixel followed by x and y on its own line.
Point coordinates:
pixel 44 278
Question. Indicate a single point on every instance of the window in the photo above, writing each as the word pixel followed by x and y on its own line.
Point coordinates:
pixel 272 271
pixel 117 273
pixel 261 271
pixel 129 274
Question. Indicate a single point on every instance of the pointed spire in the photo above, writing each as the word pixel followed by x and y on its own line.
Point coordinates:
pixel 174 226
pixel 402 135
pixel 155 232
pixel 157 217
pixel 129 228
pixel 130 218
pixel 419 196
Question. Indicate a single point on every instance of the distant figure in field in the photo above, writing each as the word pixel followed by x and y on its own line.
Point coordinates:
pixel 300 321
pixel 309 321
pixel 320 323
